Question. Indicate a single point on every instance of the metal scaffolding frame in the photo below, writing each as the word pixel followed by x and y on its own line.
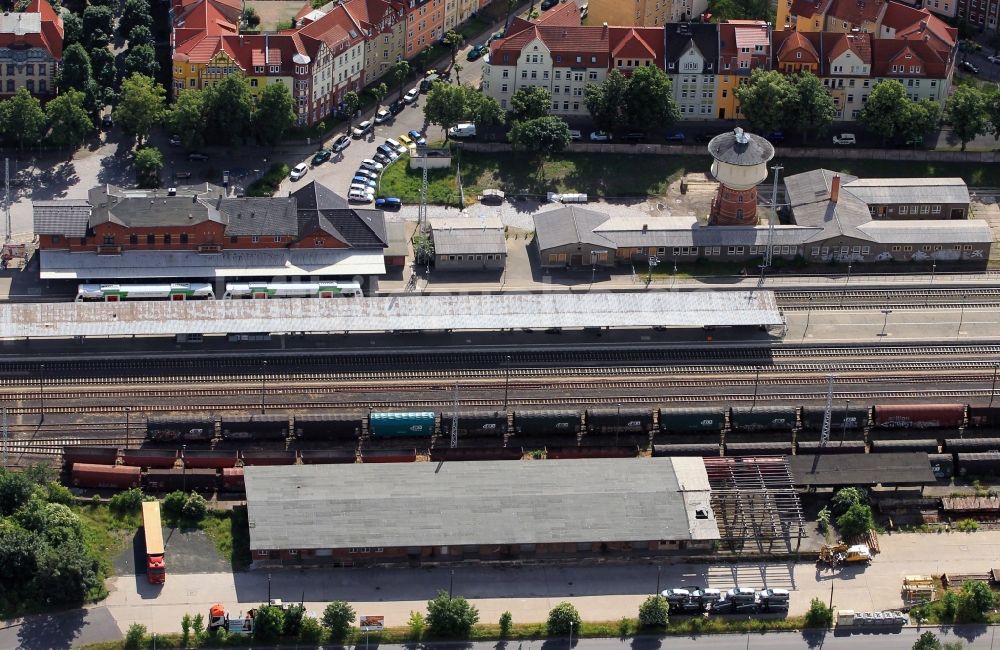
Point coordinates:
pixel 755 502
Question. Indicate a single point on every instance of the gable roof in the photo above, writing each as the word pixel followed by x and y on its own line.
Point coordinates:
pixel 679 37
pixel 270 216
pixel 38 26
pixel 794 42
pixel 570 225
pixel 565 14
pixel 636 43
pixel 67 217
pixel 319 208
pixel 859 43
pixel 887 52
pixel 857 12
pixel 561 41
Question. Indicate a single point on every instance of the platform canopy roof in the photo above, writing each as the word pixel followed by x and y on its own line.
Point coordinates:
pixel 829 470
pixel 393 313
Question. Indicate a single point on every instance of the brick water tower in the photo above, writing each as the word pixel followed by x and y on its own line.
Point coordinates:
pixel 740 165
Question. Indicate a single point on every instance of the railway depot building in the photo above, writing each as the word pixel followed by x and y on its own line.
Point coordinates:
pixel 197 232
pixel 508 511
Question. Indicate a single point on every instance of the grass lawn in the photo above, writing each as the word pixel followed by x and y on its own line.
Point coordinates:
pixel 625 175
pixel 230 532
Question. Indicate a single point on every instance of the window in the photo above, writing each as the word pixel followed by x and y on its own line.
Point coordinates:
pixel 505 74
pixel 814 251
pixel 895 249
pixel 150 239
pixel 925 209
pixel 41 86
pixel 277 239
pixel 109 240
pixel 555 106
pixel 132 239
pixel 184 238
pixel 319 242
pixel 907 249
pixel 936 209
pixel 902 209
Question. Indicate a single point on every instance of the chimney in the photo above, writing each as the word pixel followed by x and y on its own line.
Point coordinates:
pixel 645 227
pixel 605 30
pixel 835 188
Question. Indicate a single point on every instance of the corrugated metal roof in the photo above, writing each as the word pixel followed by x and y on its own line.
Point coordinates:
pixel 490 502
pixel 492 312
pixel 130 265
pixel 464 235
pixel 958 231
pixel 909 190
pixel 68 217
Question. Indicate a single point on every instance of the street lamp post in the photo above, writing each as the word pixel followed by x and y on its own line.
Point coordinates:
pixel 618 424
pixel 263 384
pixel 993 391
pixel 506 386
pixel 659 570
pixel 269 588
pixel 593 265
pixel 843 294
pixel 41 392
pixel 451 584
pixel 885 323
pixel 571 634
pixel 653 263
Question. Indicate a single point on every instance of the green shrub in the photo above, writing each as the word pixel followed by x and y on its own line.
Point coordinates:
pixel 268 623
pixel 975 600
pixel 654 612
pixel 451 617
pixel 416 625
pixel 338 618
pixel 173 504
pixel 185 630
pixel 268 184
pixel 949 606
pixel 967 526
pixel 310 631
pixel 563 619
pixel 126 503
pixel 823 519
pixel 856 521
pixel 819 615
pixel 194 508
pixel 134 636
pixel 506 622
pixel 847 497
pixel 927 641
pixel 294 616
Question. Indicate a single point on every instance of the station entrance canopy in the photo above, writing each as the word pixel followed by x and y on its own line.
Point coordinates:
pixel 393 313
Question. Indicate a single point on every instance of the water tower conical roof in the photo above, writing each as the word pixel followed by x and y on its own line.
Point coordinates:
pixel 737 147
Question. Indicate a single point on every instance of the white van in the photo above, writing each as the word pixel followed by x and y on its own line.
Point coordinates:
pixel 400 149
pixel 464 130
pixel 845 139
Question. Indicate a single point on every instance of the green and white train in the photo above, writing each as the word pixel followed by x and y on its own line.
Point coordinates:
pixel 203 291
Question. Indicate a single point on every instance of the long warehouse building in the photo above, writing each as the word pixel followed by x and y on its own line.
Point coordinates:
pixel 427 513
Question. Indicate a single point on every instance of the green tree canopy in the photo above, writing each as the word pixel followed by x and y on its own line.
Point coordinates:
pixel 654 612
pixel 15 490
pixel 649 99
pixel 562 619
pixel 885 112
pixel 268 623
pixel 76 71
pixel 975 600
pixel 927 641
pixel 530 102
pixel 275 113
pixel 72 28
pixel 141 107
pixel 186 118
pixel 453 40
pixel 102 63
pixel 133 14
pixel 924 117
pixel 379 91
pixel 845 498
pixel 810 108
pixel 856 521
pixel 148 164
pixel 724 10
pixel 766 99
pixel 98 25
pixel 23 118
pixel 967 111
pixel 141 59
pixel 229 109
pixel 543 136
pixel 69 122
pixel 399 74
pixel 606 101
pixel 352 102
pixel 445 105
pixel 818 615
pixel 481 109
pixel 338 617
pixel 450 617
pixel 140 35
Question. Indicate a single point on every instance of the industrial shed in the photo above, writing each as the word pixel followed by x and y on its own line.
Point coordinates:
pixel 419 513
pixel 468 244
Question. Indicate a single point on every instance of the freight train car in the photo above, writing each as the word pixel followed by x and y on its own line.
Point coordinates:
pixel 269 457
pixel 978 464
pixel 919 416
pixel 841 419
pixel 149 457
pixel 900 446
pixel 255 427
pixel 758 448
pixel 833 447
pixel 328 456
pixel 971 445
pixel 209 458
pixel 752 419
pixel 984 417
pixel 329 426
pixel 477 423
pixel 692 420
pixel 168 480
pixel 180 429
pixel 476 453
pixel 592 451
pixel 619 420
pixel 401 425
pixel 90 455
pixel 943 465
pixel 706 450
pixel 547 423
pixel 232 480
pixel 105 476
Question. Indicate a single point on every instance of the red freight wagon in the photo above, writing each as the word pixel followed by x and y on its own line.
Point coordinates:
pixel 105 476
pixel 919 416
pixel 161 458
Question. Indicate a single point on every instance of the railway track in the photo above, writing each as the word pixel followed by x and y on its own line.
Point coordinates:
pixel 54 446
pixel 944 297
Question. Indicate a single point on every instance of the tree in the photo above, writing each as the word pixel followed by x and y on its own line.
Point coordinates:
pixel 967 112
pixel 810 107
pixel 450 617
pixel 975 600
pixel 311 631
pixel 445 105
pixel 481 109
pixel 352 102
pixel 530 102
pixel 17 554
pixel 766 99
pixel 927 641
pixel 542 136
pixel 563 618
pixel 818 615
pixel 24 119
pixel 949 606
pixel 453 40
pixel 423 248
pixel 140 35
pixel 649 99
pixel 294 616
pixel 66 573
pixel 98 25
pixel 606 101
pixel 229 109
pixel 993 113
pixel 506 624
pixel 173 504
pixel 76 71
pixel 845 498
pixel 141 59
pixel 195 506
pixel 399 73
pixel 186 117
pixel 102 63
pixel 885 111
pixel 725 10
pixel 127 502
pixel 15 490
pixel 654 612
pixel 268 623
pixel 924 116
pixel 142 106
pixel 148 164
pixel 135 635
pixel 416 625
pixel 857 521
pixel 338 618
pixel 72 28
pixel 275 113
pixel 69 123
pixel 379 92
pixel 133 14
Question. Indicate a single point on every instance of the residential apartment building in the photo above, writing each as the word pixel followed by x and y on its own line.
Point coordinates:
pixel 424 24
pixel 383 26
pixel 982 13
pixel 692 58
pixel 744 46
pixel 644 13
pixel 31 43
pixel 457 12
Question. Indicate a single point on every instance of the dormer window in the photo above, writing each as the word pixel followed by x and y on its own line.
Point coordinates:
pixel 798 55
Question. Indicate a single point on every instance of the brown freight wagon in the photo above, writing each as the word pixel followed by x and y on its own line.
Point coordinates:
pixel 90 455
pixel 388 455
pixel 477 453
pixel 327 457
pixel 593 451
pixel 159 458
pixel 275 457
pixel 232 479
pixel 105 476
pixel 205 458
pixel 919 416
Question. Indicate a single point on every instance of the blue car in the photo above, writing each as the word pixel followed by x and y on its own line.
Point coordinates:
pixel 775 136
pixel 363 180
pixel 388 203
pixel 417 137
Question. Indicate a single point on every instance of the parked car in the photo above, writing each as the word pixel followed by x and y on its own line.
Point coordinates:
pixel 363 180
pixel 361 129
pixel 374 166
pixel 197 156
pixel 383 116
pixel 477 51
pixel 388 203
pixel 400 149
pixel 417 136
pixel 360 196
pixel 548 4
pixel 775 136
pixel 993 58
pixel 298 171
pixel 968 66
pixel 175 141
pixel 634 136
pixel 463 130
pixel 387 151
pixel 367 173
pixel 340 144
pixel 845 139
pixel 362 187
pixel 575 134
pixel 321 157
pixel 107 122
pixel 404 140
pixel 677 137
pixel 600 136
pixel 411 95
pixel 382 158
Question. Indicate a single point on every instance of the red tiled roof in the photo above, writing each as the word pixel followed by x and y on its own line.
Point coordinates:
pixel 859 43
pixel 636 43
pixel 857 12
pixel 787 44
pixel 570 42
pixel 565 14
pixel 334 29
pixel 807 8
pixel 888 52
pixel 913 24
pixel 50 34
